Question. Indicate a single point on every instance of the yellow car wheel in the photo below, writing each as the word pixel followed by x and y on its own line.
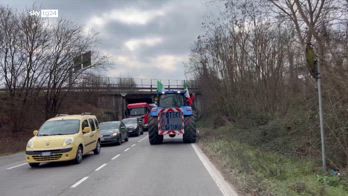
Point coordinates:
pixel 97 148
pixel 34 165
pixel 79 155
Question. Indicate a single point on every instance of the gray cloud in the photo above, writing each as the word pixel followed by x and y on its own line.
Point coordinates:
pixel 149 39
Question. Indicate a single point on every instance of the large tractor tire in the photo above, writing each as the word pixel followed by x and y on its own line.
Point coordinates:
pixel 154 138
pixel 190 134
pixel 195 115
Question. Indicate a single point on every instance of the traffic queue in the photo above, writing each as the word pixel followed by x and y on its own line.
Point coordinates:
pixel 70 137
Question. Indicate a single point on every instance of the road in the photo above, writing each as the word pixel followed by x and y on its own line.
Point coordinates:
pixel 133 168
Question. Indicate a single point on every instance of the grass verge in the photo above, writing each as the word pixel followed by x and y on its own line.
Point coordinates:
pixel 256 171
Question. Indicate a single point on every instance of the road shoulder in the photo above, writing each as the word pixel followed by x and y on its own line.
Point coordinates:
pixel 226 188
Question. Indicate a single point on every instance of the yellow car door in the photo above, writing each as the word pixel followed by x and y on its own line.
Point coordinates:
pixel 94 134
pixel 87 140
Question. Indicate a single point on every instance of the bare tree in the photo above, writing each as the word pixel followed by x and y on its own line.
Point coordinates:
pixel 11 64
pixel 22 56
pixel 250 64
pixel 66 43
pixel 35 58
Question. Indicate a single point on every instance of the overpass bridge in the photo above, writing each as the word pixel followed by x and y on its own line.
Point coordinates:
pixel 113 94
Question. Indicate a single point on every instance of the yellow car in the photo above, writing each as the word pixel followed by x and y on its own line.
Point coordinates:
pixel 64 138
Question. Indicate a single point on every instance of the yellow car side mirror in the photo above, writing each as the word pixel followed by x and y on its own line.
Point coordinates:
pixel 35 132
pixel 86 130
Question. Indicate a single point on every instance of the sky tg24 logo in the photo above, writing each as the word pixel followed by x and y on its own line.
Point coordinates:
pixel 45 13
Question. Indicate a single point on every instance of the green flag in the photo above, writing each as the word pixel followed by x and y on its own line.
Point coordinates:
pixel 160 87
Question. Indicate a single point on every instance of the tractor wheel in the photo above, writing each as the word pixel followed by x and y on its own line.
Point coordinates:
pixel 195 115
pixel 153 132
pixel 190 134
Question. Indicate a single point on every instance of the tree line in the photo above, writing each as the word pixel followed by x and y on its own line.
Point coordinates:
pixel 36 63
pixel 251 64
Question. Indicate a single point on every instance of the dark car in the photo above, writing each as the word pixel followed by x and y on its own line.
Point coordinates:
pixel 113 132
pixel 133 126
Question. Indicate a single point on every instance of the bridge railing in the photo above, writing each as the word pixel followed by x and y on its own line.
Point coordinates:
pixel 129 84
pixel 136 83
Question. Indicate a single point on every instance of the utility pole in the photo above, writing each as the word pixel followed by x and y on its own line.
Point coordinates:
pixel 313 65
pixel 323 157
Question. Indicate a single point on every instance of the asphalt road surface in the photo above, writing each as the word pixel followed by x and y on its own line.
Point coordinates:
pixel 133 168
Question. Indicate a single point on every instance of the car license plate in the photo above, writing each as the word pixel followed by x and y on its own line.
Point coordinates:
pixel 171 121
pixel 46 154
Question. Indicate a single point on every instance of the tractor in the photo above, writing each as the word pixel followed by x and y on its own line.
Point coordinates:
pixel 172 116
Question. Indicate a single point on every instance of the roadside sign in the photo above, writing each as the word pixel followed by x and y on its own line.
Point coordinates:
pixel 82 61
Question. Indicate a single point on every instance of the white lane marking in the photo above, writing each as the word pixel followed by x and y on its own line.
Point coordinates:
pixel 224 186
pixel 79 182
pixel 115 157
pixel 15 166
pixel 99 168
pixel 142 139
pixel 132 145
pixel 126 149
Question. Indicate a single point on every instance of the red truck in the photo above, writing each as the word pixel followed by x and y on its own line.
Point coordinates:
pixel 141 110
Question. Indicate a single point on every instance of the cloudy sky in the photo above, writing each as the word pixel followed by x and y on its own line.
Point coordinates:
pixel 142 38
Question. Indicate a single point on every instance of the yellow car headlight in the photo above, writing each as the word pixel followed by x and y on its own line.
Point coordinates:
pixel 30 144
pixel 68 141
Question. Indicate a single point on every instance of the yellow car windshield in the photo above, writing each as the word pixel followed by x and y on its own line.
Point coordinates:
pixel 59 127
